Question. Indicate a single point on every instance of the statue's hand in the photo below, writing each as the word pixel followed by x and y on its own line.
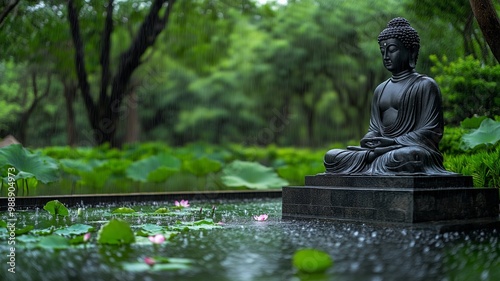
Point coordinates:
pixel 377 142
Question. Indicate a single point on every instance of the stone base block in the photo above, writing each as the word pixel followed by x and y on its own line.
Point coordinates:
pixel 390 199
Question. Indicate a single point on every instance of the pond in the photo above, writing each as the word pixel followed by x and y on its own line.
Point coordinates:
pixel 240 248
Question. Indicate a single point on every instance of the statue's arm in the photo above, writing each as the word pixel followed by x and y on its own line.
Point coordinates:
pixel 428 116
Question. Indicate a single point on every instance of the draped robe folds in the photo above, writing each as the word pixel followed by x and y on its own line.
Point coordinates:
pixel 417 131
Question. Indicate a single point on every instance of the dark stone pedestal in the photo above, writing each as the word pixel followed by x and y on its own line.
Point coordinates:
pixel 393 199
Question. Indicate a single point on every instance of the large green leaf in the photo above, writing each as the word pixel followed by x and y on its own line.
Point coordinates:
pixel 28 164
pixel 251 175
pixel 202 166
pixel 55 207
pixel 487 133
pixel 116 232
pixel 53 242
pixel 154 169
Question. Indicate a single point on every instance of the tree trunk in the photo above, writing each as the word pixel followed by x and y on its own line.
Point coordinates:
pixel 104 116
pixel 69 97
pixel 132 119
pixel 25 116
pixel 488 21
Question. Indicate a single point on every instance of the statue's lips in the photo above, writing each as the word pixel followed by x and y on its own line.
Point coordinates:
pixel 387 63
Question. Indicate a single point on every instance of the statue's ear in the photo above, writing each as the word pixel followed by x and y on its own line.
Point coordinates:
pixel 413 60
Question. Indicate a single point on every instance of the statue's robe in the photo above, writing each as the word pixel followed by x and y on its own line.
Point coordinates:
pixel 417 131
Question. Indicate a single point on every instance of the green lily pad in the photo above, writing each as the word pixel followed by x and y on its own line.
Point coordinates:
pixel 28 239
pixel 311 261
pixel 488 133
pixel 28 164
pixel 251 175
pixel 53 242
pixel 55 208
pixel 154 169
pixel 24 230
pixel 123 210
pixel 161 264
pixel 162 211
pixel 115 232
pixel 75 229
pixel 44 231
pixel 195 225
pixel 3 223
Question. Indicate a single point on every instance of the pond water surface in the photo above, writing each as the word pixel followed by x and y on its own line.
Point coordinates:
pixel 245 249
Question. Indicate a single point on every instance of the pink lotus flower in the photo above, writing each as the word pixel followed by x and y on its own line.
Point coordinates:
pixel 149 261
pixel 260 217
pixel 183 203
pixel 157 239
pixel 86 237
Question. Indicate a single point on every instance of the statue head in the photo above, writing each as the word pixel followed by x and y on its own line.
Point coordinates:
pixel 400 31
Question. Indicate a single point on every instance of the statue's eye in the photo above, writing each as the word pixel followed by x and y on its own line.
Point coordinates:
pixel 392 49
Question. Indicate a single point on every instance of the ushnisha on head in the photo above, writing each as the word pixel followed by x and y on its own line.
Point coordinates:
pixel 399 28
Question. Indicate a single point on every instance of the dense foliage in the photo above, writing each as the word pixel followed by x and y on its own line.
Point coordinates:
pixel 156 166
pixel 249 72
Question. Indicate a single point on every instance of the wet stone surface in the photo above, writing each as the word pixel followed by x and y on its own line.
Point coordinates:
pixel 245 249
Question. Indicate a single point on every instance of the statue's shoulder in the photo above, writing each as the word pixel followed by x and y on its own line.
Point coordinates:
pixel 426 81
pixel 381 87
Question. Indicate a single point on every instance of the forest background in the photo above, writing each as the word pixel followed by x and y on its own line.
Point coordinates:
pixel 290 73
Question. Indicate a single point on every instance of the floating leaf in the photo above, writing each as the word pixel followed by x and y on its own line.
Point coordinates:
pixel 115 232
pixel 123 210
pixel 160 264
pixel 73 230
pixel 24 230
pixel 53 242
pixel 487 133
pixel 251 175
pixel 472 123
pixel 311 261
pixel 195 225
pixel 162 211
pixel 55 208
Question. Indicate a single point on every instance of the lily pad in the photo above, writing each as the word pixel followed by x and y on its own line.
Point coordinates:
pixel 53 242
pixel 24 230
pixel 55 208
pixel 116 232
pixel 3 223
pixel 195 225
pixel 161 264
pixel 251 175
pixel 488 133
pixel 74 230
pixel 311 261
pixel 123 210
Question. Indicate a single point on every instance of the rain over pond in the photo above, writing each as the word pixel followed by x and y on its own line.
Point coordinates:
pixel 239 247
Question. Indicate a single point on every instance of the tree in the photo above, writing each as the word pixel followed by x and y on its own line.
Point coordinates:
pixel 104 113
pixel 487 17
pixel 8 8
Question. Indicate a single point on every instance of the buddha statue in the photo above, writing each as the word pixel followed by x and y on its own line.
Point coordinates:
pixel 406 122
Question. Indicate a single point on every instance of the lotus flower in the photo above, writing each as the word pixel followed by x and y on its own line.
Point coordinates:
pixel 149 261
pixel 262 217
pixel 157 239
pixel 183 203
pixel 86 237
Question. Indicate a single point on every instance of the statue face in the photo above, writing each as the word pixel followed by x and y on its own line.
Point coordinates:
pixel 395 55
